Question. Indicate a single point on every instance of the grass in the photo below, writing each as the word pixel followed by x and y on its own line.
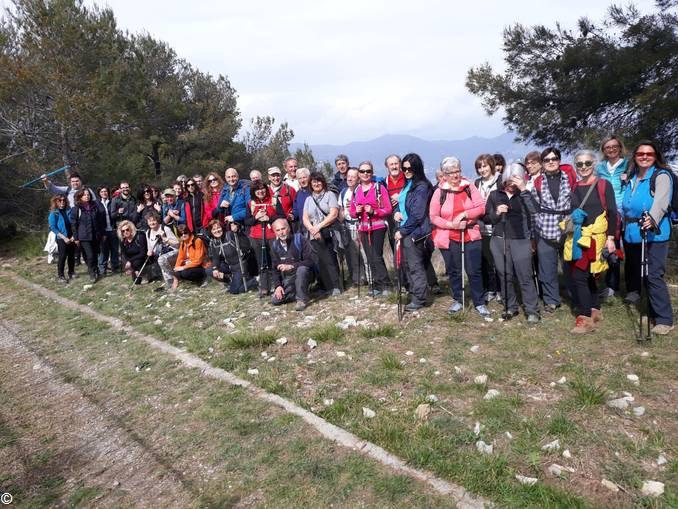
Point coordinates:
pixel 520 362
pixel 248 340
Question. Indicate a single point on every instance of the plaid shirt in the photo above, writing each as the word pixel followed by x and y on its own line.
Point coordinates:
pixel 551 213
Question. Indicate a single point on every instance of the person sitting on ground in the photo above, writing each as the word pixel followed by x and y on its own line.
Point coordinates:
pixel 455 208
pixel 60 224
pixel 228 256
pixel 162 248
pixel 134 249
pixel 292 262
pixel 509 210
pixel 89 226
pixel 191 259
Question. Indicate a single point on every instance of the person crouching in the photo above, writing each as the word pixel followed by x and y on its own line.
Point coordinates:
pixel 191 258
pixel 292 261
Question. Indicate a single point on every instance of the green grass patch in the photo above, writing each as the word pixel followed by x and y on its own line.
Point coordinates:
pixel 386 330
pixel 586 393
pixel 390 361
pixel 83 495
pixel 250 339
pixel 325 333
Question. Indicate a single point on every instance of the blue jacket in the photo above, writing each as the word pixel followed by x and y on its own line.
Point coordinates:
pixel 57 224
pixel 299 200
pixel 418 223
pixel 614 179
pixel 637 199
pixel 177 205
pixel 238 200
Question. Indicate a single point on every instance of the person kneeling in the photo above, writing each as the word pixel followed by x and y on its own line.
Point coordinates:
pixel 292 266
pixel 190 259
pixel 228 251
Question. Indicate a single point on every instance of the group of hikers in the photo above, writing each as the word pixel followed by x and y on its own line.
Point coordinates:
pixel 507 231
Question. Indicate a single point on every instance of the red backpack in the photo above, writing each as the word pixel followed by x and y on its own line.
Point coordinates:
pixel 567 169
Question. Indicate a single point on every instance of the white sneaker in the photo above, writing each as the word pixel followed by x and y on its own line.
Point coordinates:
pixel 454 308
pixel 483 311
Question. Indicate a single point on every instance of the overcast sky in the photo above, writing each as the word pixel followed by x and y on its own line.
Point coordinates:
pixel 350 70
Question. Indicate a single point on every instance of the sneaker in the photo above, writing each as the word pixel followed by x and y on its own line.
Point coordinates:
pixel 454 308
pixel 204 283
pixel 483 311
pixel 533 319
pixel 301 305
pixel 335 292
pixel 582 325
pixel 62 280
pixel 413 306
pixel 551 308
pixel 436 290
pixel 384 293
pixel 511 313
pixel 490 296
pixel 632 298
pixel 606 293
pixel 662 329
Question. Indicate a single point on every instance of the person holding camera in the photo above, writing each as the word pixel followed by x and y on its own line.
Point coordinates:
pixel 162 247
pixel 590 231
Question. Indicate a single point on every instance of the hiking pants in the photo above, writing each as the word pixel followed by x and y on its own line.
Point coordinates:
pixel 472 266
pixel 518 262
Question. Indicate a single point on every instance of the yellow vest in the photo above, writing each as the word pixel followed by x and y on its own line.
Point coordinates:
pixel 597 231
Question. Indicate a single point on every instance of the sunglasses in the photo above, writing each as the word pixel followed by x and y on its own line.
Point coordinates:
pixel 190 184
pixel 211 180
pixel 645 154
pixel 551 159
pixel 582 164
pixel 126 230
pixel 364 171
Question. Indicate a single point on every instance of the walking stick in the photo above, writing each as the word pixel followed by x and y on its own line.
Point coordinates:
pixel 398 266
pixel 644 294
pixel 51 173
pixel 463 266
pixel 505 315
pixel 240 262
pixel 369 263
pixel 140 272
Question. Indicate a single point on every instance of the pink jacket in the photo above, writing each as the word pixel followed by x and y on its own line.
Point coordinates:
pixel 381 207
pixel 446 227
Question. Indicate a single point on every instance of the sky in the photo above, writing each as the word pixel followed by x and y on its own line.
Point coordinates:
pixel 350 70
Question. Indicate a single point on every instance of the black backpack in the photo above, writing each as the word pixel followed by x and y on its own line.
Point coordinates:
pixel 673 203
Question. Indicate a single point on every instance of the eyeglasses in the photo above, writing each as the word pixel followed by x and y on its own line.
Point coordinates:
pixel 582 164
pixel 408 168
pixel 364 171
pixel 551 159
pixel 190 184
pixel 211 180
pixel 611 147
pixel 645 154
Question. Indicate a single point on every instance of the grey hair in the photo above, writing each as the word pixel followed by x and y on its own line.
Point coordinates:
pixel 513 170
pixel 389 157
pixel 584 153
pixel 341 157
pixel 450 162
pixel 290 158
pixel 303 172
pixel 367 163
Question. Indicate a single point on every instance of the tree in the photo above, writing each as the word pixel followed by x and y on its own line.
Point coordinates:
pixel 572 87
pixel 265 147
pixel 305 158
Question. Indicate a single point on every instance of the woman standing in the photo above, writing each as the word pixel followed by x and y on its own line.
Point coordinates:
pixel 414 228
pixel 88 228
pixel 192 203
pixel 455 207
pixel 109 247
pixel 210 201
pixel 594 219
pixel 261 213
pixel 60 224
pixel 146 203
pixel 372 205
pixel 487 182
pixel 509 210
pixel 646 212
pixel 321 210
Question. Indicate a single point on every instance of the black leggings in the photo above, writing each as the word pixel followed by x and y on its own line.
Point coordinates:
pixel 196 274
pixel 66 252
pixel 373 244
pixel 585 291
pixel 90 250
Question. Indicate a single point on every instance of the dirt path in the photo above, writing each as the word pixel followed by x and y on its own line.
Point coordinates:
pixel 58 434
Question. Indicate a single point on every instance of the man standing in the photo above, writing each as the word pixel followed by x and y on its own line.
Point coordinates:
pixel 124 206
pixel 172 210
pixel 290 164
pixel 283 194
pixel 234 198
pixel 74 185
pixel 292 262
pixel 395 182
pixel 339 181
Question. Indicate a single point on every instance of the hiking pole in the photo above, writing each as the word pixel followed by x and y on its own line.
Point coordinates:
pixel 463 266
pixel 360 258
pixel 644 294
pixel 134 282
pixel 50 174
pixel 369 243
pixel 505 315
pixel 398 266
pixel 240 262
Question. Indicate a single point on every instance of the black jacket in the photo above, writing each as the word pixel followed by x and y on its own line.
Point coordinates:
pixel 297 254
pixel 521 208
pixel 89 224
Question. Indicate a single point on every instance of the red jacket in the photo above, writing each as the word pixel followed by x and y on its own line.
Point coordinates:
pixel 284 201
pixel 256 230
pixel 209 203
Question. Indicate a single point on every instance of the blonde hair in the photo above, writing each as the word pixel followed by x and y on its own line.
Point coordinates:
pixel 123 224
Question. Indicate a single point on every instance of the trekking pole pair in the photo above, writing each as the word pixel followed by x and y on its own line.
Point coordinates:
pixel 644 294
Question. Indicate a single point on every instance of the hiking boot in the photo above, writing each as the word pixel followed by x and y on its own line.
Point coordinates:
pixel 301 305
pixel 489 297
pixel 335 292
pixel 551 308
pixel 662 329
pixel 483 311
pixel 632 298
pixel 606 293
pixel 533 319
pixel 596 315
pixel 436 290
pixel 582 325
pixel 62 280
pixel 413 306
pixel 455 308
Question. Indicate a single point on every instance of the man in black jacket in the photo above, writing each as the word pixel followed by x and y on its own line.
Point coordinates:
pixel 292 262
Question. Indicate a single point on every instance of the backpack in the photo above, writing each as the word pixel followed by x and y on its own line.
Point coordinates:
pixel 673 203
pixel 445 192
pixel 296 240
pixel 567 170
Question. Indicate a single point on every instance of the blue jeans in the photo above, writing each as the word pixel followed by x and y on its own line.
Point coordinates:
pixel 548 253
pixel 109 248
pixel 473 267
pixel 658 292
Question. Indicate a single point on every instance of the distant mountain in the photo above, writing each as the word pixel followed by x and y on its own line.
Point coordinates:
pixel 432 152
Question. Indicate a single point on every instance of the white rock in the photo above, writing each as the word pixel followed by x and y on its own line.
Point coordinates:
pixel 567 454
pixel 529 481
pixel 167 304
pixel 508 435
pixel 661 459
pixel 368 413
pixel 457 370
pixel 409 353
pixel 210 350
pixel 265 313
pixel 281 341
pixel 562 381
pixel 559 470
pixel 552 446
pixel 436 372
pixel 312 343
pixel 476 429
pixel 341 354
pixel 475 348
pixel 158 322
pixel 422 361
pixel 628 396
pixel 86 287
pixel 253 371
pixel 328 401
pixel 633 379
pixel 483 447
pixel 422 412
pixel 620 403
pixel 480 379
pixel 270 359
pixel 492 393
pixel 264 354
pixel 639 411
pixel 652 488
pixel 432 398
pixel 610 485
pixel 645 354
pixel 552 384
